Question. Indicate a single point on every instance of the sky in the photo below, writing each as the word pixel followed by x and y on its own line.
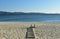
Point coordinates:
pixel 47 6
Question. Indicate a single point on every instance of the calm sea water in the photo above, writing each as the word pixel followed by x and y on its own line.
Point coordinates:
pixel 30 18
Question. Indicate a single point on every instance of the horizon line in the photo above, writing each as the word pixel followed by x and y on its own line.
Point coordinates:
pixel 33 12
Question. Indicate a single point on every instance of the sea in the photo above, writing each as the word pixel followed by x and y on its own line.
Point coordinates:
pixel 30 18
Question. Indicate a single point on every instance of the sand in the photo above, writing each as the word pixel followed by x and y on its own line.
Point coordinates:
pixel 17 30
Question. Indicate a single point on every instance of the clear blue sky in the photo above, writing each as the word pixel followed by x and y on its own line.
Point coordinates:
pixel 30 5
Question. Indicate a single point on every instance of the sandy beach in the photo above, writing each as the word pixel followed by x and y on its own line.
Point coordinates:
pixel 17 30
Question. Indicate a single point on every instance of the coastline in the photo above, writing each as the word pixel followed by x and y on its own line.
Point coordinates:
pixel 28 24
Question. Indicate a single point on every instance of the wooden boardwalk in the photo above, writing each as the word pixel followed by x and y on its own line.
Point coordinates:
pixel 30 33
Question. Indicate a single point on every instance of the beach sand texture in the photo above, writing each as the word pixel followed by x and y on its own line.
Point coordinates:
pixel 17 30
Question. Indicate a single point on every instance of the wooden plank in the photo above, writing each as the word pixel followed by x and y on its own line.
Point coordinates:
pixel 30 33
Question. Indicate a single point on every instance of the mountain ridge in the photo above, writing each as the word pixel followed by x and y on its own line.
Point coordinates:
pixel 23 13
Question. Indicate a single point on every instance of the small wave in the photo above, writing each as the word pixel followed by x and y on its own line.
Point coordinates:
pixel 52 21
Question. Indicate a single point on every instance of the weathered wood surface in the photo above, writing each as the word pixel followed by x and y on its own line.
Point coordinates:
pixel 30 33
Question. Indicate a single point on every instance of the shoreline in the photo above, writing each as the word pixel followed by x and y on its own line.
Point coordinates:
pixel 29 23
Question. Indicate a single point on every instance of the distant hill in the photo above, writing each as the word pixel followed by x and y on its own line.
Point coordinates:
pixel 21 13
